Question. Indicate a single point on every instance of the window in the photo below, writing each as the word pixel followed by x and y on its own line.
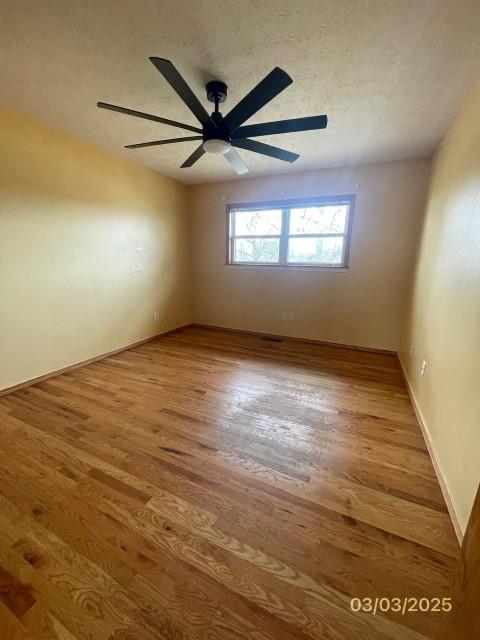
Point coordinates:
pixel 291 234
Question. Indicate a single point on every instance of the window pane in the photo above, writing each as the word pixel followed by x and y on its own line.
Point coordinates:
pixel 327 219
pixel 315 250
pixel 256 250
pixel 258 223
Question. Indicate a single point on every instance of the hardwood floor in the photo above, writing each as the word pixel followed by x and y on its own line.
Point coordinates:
pixel 212 485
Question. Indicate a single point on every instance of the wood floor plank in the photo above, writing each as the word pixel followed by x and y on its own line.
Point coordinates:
pixel 11 627
pixel 212 485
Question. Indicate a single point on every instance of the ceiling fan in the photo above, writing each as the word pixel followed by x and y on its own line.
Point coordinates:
pixel 221 134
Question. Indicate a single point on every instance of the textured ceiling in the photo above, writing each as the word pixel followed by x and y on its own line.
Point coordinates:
pixel 389 73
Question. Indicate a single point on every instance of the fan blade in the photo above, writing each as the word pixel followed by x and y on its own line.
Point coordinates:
pixel 196 155
pixel 265 149
pixel 275 82
pixel 147 116
pixel 155 143
pixel 281 126
pixel 179 85
pixel 236 162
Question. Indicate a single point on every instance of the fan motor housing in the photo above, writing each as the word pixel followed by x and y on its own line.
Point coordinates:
pixel 218 130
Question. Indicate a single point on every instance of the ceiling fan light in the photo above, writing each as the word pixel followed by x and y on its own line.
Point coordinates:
pixel 216 145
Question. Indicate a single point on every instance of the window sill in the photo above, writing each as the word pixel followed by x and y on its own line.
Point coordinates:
pixel 281 267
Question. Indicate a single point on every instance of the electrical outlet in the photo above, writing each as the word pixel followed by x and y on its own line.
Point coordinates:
pixel 291 316
pixel 155 316
pixel 412 350
pixel 423 368
pixel 284 315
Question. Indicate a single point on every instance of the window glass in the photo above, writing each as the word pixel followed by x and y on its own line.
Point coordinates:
pixel 320 250
pixel 256 250
pixel 327 219
pixel 258 223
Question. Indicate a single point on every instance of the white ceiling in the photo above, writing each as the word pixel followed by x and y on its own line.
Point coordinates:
pixel 389 73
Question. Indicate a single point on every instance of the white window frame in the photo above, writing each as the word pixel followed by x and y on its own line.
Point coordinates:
pixel 285 206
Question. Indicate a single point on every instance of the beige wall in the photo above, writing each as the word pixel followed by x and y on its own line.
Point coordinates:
pixel 444 320
pixel 363 306
pixel 90 246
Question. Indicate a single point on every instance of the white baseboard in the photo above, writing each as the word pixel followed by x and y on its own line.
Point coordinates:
pixel 433 456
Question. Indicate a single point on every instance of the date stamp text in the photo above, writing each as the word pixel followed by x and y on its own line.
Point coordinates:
pixel 402 605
